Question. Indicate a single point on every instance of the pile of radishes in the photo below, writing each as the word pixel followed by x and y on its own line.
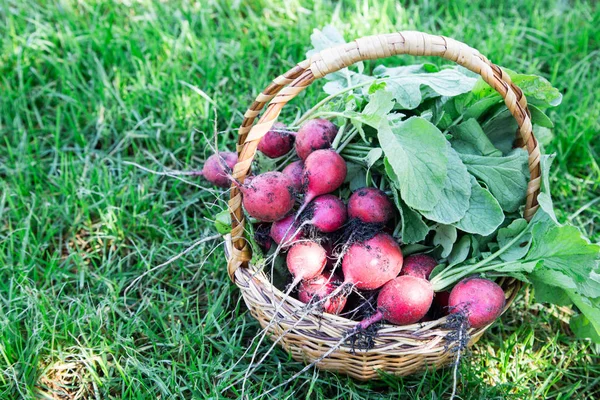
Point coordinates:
pixel 413 209
pixel 333 246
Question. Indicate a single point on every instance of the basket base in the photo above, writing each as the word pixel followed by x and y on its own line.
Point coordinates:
pixel 363 367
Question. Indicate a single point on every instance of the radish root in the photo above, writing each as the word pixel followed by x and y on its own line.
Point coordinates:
pixel 457 341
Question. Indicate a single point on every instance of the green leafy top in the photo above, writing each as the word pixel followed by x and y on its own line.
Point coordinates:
pixel 441 142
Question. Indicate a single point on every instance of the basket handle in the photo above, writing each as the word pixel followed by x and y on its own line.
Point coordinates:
pixel 287 86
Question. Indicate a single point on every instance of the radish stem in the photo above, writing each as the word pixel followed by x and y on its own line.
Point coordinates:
pixel 451 275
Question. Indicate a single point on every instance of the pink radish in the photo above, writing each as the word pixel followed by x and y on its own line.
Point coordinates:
pixel 294 171
pixel 328 213
pixel 213 169
pixel 419 265
pixel 319 288
pixel 306 260
pixel 402 301
pixel 481 300
pixel 314 135
pixel 285 231
pixel 370 205
pixel 371 264
pixel 248 179
pixel 276 142
pixel 268 197
pixel 324 172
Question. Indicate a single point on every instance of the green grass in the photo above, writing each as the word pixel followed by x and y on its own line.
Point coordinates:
pixel 87 86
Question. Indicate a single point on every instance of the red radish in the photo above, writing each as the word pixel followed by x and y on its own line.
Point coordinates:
pixel 328 213
pixel 319 288
pixel 324 218
pixel 314 135
pixel 306 260
pixel 268 197
pixel 324 171
pixel 294 171
pixel 402 301
pixel 213 170
pixel 480 299
pixel 371 264
pixel 277 142
pixel 285 231
pixel 370 205
pixel 419 265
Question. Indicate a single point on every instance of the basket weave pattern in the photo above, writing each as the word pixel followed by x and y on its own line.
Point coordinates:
pixel 400 350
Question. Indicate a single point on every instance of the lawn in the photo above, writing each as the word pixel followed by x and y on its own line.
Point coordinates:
pixel 95 95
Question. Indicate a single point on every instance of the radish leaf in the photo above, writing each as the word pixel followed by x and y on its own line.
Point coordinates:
pixel 416 152
pixel 506 177
pixel 484 214
pixel 454 202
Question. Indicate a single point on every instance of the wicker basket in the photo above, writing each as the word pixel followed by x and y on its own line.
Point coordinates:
pixel 400 350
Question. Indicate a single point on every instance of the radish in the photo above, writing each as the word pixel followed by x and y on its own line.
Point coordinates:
pixel 324 172
pixel 306 260
pixel 481 300
pixel 419 265
pixel 285 231
pixel 314 135
pixel 328 213
pixel 268 197
pixel 294 171
pixel 319 288
pixel 402 301
pixel 370 205
pixel 367 265
pixel 248 179
pixel 276 142
pixel 214 169
pixel 371 264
